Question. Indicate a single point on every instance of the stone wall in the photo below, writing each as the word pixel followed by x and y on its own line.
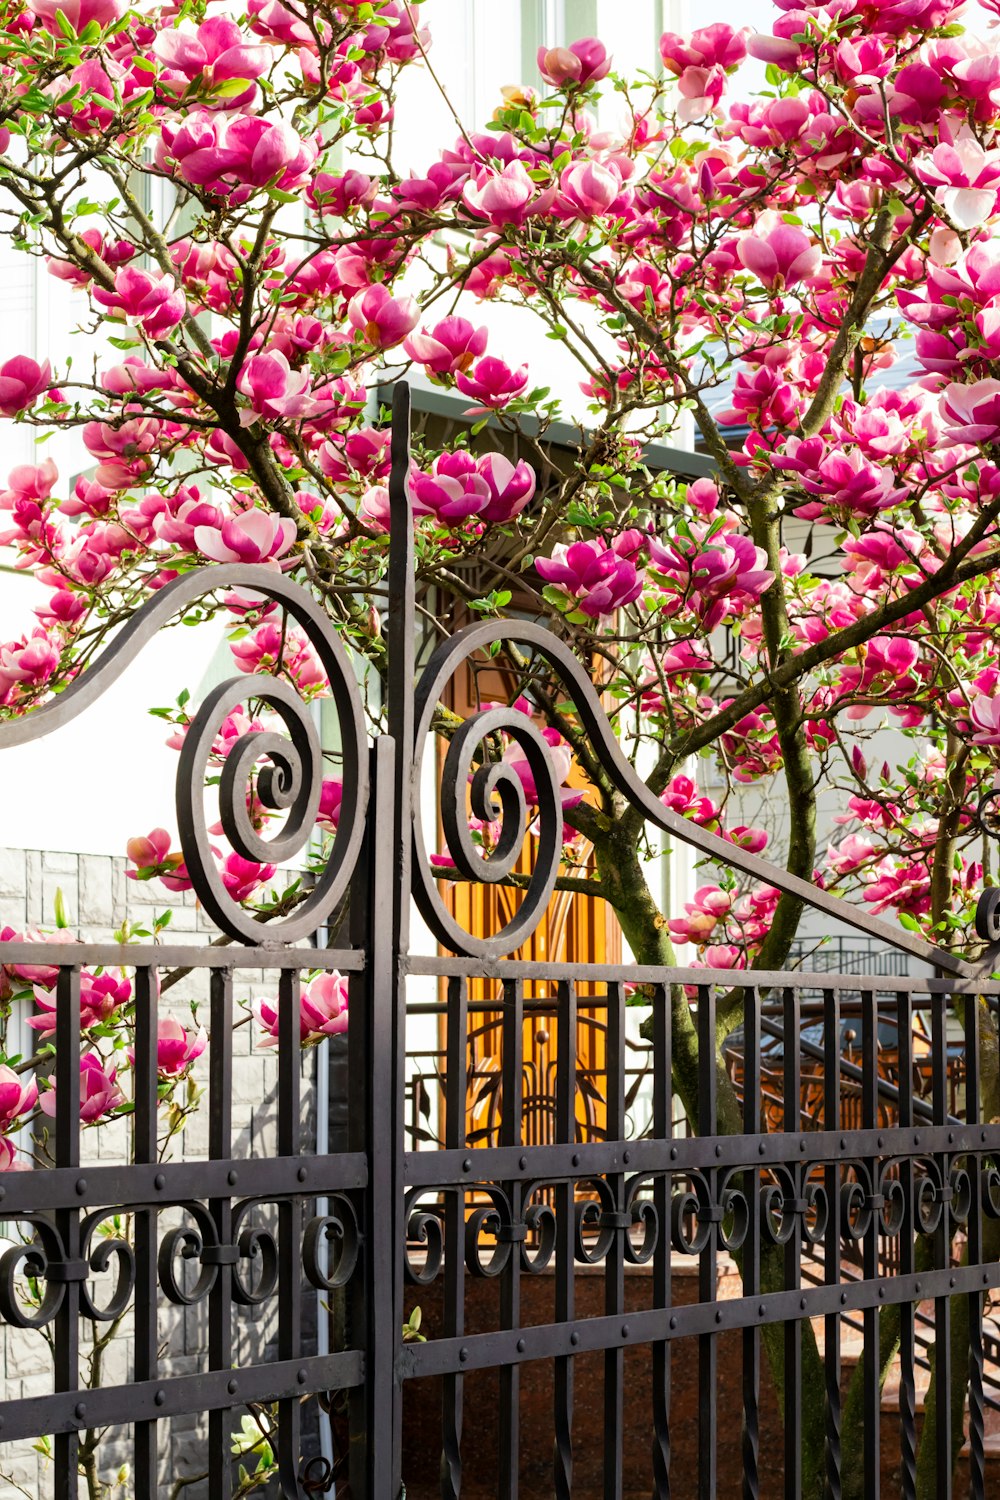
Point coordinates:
pixel 97 897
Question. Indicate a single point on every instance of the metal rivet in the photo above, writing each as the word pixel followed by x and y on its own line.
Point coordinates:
pixel 916 1138
pixel 576 1158
pixel 463 1355
pixel 160 1397
pixel 951 1281
pixel 467 1164
pixel 951 1138
pixel 302 1376
pixel 761 1149
pixel 574 1337
pixel 718 1317
pixel 843 1145
pixel 984 1135
pixel 232 1387
pixel 626 1157
pixel 986 1278
pixel 673 1153
pixel 522 1162
pixel 624 1330
pixel 80 1410
pixel 303 1173
pixel 521 1346
pixel 843 1299
pixel 159 1182
pixel 3 1194
pixel 802 1145
pixel 761 1310
pixel 881 1292
pixel 232 1177
pixel 718 1150
pixel 673 1322
pixel 881 1141
pixel 81 1186
pixel 802 1303
pixel 918 1286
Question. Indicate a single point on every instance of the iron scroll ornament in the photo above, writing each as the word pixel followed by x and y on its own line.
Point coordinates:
pixel 292 782
pixel 496 781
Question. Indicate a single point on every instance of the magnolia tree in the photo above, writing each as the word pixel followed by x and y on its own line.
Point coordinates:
pixel 785 251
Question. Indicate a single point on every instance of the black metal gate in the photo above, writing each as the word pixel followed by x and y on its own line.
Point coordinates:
pixel 857 1209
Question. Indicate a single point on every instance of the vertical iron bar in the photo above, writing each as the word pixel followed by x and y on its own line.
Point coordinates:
pixel 383 1125
pixel 907 1243
pixel 870 1317
pixel 831 1242
pixel 792 1121
pixel 456 1086
pixel 361 1117
pixel 220 1301
pixel 977 1455
pixel 751 1248
pixel 66 1327
pixel 565 1203
pixel 662 1291
pixel 289 1223
pixel 708 1259
pixel 942 1246
pixel 614 1265
pixel 511 1082
pixel 145 1305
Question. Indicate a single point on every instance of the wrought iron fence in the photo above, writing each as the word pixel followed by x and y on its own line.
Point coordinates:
pixel 804 1207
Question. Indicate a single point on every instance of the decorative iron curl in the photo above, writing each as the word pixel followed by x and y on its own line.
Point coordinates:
pixel 423 1227
pixel 107 1252
pixel 642 1211
pixel 43 1259
pixel 187 1242
pixel 494 1218
pixel 253 1244
pixel 338 1228
pixel 537 642
pixel 292 783
pixel 540 1224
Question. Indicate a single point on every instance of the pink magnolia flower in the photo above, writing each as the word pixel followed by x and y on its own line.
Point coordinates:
pixel 588 189
pixel 382 319
pixel 152 858
pixel 22 381
pixel 29 482
pixel 274 388
pixel 79 13
pixel 973 411
pixel 16 1098
pixel 561 759
pixel 340 195
pixel 99 1091
pixel 331 797
pixel 216 52
pixel 27 663
pixel 269 649
pixel 967 179
pixel 176 1048
pixel 508 196
pixel 778 254
pixel 253 536
pixel 583 62
pixel 492 382
pixel 242 877
pixel 124 453
pixel 710 906
pixel 721 575
pixel 45 975
pixel 449 348
pixel 112 252
pixel 322 1011
pixel 718 45
pixel 453 490
pixel 986 718
pixel 591 576
pixel 231 157
pixel 510 487
pixel 147 298
pixel 101 996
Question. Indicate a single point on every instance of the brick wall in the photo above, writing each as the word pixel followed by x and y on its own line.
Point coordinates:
pixel 97 898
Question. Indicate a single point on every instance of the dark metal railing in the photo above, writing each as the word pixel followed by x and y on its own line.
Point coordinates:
pixel 889 1164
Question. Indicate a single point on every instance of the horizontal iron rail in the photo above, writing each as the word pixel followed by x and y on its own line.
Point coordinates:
pixel 168 1184
pixel 586 1335
pixel 469 1166
pixel 727 979
pixel 181 956
pixel 150 1400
